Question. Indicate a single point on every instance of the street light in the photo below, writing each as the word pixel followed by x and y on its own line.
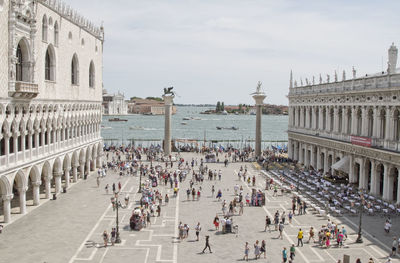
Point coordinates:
pixel 116 205
pixel 140 179
pixel 359 237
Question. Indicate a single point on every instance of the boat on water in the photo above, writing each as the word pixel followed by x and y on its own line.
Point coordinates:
pixel 105 127
pixel 136 128
pixel 183 123
pixel 233 128
pixel 117 119
pixel 187 119
pixel 224 112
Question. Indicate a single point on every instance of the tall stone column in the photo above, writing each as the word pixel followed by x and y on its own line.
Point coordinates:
pixel 36 192
pixel 259 97
pixel 296 151
pixel 168 102
pixel 7 207
pixel 22 200
pixel 326 167
pixel 374 179
pixel 318 158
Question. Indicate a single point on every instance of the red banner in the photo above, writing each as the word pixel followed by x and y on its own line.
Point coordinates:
pixel 362 141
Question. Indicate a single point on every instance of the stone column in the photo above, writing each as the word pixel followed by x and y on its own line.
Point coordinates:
pixel 36 192
pixel 74 174
pixel 387 130
pixel 336 119
pixel 296 151
pixel 375 127
pixel 290 149
pixel 66 176
pixel 312 157
pixel 398 185
pixel 386 182
pixel 82 170
pixel 307 110
pixel 354 121
pixel 374 179
pixel 7 207
pixel 22 200
pixel 319 158
pixel 321 118
pixel 57 180
pixel 259 99
pixel 88 167
pixel 47 185
pixel 363 183
pixel 168 102
pixel 390 184
pixel 326 166
pixel 352 178
pixel 301 153
pixel 364 121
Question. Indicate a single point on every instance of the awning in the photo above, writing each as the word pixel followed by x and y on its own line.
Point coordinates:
pixel 342 165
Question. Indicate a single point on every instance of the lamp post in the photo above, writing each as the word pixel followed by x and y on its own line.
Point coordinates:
pixel 116 205
pixel 359 237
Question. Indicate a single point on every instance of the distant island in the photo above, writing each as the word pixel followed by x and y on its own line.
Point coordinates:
pixel 243 109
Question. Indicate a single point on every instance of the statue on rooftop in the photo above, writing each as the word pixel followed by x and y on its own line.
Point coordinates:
pixel 313 80
pixel 344 75
pixel 336 78
pixel 258 89
pixel 320 79
pixel 354 73
pixel 327 78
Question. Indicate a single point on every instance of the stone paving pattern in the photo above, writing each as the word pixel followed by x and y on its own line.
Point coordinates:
pixel 57 231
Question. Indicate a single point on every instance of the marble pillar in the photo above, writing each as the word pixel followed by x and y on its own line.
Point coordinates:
pixel 168 102
pixel 259 99
pixel 57 180
pixel 74 174
pixel 66 177
pixel 7 207
pixel 22 200
pixel 36 192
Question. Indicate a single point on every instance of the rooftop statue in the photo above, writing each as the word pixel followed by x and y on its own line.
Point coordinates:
pixel 169 91
pixel 344 75
pixel 354 73
pixel 258 89
pixel 336 78
pixel 320 79
pixel 327 78
pixel 313 80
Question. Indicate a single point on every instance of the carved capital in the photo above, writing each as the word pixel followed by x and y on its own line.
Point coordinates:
pixel 37 184
pixel 7 197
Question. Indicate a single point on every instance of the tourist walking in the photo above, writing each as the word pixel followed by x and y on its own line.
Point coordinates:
pixel 246 251
pixel 281 227
pixel 300 238
pixel 267 224
pixel 292 252
pixel 284 255
pixel 256 250
pixel 394 247
pixel 263 249
pixel 311 235
pixel 198 229
pixel 105 238
pixel 113 236
pixel 207 244
pixel 106 188
pixel 216 222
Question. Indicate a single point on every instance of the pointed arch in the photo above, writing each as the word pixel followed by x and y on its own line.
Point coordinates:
pixel 44 28
pixel 56 33
pixel 22 71
pixel 50 64
pixel 75 70
pixel 92 75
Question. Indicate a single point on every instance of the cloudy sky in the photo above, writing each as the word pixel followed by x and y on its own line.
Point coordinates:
pixel 212 50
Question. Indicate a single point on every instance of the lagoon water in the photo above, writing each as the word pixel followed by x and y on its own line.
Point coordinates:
pixel 144 128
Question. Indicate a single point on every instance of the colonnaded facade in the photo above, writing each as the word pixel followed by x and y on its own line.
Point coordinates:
pixel 351 126
pixel 50 101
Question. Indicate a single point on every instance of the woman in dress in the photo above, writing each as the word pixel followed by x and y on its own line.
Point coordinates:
pixel 246 251
pixel 216 222
pixel 256 250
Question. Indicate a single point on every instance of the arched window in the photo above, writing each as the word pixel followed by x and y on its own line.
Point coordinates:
pixel 56 33
pixel 19 66
pixel 91 75
pixel 49 68
pixel 44 28
pixel 22 65
pixel 75 70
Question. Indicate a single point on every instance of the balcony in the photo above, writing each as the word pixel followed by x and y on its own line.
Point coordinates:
pixel 25 90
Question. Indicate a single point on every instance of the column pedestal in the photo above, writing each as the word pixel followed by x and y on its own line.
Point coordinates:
pixel 47 187
pixel 66 177
pixel 57 179
pixel 75 174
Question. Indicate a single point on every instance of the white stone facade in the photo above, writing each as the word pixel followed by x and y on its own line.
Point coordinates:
pixel 50 100
pixel 114 104
pixel 327 119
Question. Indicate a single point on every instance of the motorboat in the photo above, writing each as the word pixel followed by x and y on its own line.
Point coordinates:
pixel 228 128
pixel 117 119
pixel 187 119
pixel 105 127
pixel 184 123
pixel 136 128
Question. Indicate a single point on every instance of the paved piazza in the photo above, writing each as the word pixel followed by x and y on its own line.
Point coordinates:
pixel 59 231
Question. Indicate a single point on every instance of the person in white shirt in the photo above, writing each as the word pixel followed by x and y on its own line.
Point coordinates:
pixel 197 229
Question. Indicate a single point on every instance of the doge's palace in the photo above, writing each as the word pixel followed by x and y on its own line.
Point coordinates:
pixel 350 127
pixel 50 101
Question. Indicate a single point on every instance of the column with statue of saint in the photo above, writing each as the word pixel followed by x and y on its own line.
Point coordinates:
pixel 168 97
pixel 259 97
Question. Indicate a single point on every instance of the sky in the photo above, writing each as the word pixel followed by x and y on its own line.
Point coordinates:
pixel 217 50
